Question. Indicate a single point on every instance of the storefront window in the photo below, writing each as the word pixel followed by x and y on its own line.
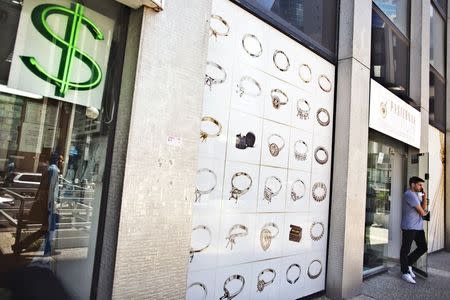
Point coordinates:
pixel 437 100
pixel 54 140
pixel 437 41
pixel 397 11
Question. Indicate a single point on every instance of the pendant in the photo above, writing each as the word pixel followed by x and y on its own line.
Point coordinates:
pixel 265 238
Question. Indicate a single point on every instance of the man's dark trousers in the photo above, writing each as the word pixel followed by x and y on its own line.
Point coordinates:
pixel 408 237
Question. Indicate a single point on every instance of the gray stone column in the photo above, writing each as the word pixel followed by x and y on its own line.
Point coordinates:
pixel 346 243
pixel 447 142
pixel 161 162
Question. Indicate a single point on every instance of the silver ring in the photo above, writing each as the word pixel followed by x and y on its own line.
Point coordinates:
pixel 261 283
pixel 235 192
pixel 203 286
pixel 316 186
pixel 252 36
pixel 276 99
pixel 303 113
pixel 233 235
pixel 274 148
pixel 293 281
pixel 316 237
pixel 300 155
pixel 314 276
pixel 193 251
pixel 198 192
pixel 216 33
pixel 266 236
pixel 282 69
pixel 268 192
pixel 203 134
pixel 316 155
pixel 322 122
pixel 242 89
pixel 209 80
pixel 323 84
pixel 294 195
pixel 227 295
pixel 302 77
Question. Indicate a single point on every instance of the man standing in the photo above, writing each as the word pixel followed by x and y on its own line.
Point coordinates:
pixel 413 209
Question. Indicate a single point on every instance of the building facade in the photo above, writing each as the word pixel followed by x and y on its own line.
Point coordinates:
pixel 219 149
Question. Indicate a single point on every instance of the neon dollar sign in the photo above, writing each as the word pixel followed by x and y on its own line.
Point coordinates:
pixel 68 44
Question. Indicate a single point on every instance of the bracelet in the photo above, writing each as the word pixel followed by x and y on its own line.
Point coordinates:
pixel 314 276
pixel 235 192
pixel 266 236
pixel 297 196
pixel 209 80
pixel 261 282
pixel 204 135
pixel 287 63
pixel 193 251
pixel 295 234
pixel 245 141
pixel 312 235
pixel 276 95
pixel 321 149
pixel 303 113
pixel 215 32
pixel 227 295
pixel 293 281
pixel 232 236
pixel 245 90
pixel 320 112
pixel 268 192
pixel 300 155
pixel 323 187
pixel 203 286
pixel 274 149
pixel 199 193
pixel 252 37
pixel 324 83
pixel 305 73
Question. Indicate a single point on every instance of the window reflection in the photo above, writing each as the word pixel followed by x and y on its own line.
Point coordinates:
pixel 397 11
pixel 437 101
pixel 437 39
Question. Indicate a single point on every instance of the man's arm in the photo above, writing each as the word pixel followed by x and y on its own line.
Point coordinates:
pixel 420 210
pixel 424 201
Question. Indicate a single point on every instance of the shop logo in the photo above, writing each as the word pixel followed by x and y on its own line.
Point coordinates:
pixel 68 44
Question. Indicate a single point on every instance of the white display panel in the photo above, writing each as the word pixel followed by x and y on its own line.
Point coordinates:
pixel 264 165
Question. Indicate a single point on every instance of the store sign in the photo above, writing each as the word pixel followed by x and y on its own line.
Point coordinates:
pixel 392 116
pixel 62 52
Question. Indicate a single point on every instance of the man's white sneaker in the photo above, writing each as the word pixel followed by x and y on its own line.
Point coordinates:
pixel 411 272
pixel 407 277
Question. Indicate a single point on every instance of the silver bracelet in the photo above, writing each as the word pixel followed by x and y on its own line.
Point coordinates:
pixel 268 192
pixel 199 193
pixel 287 64
pixel 247 37
pixel 232 235
pixel 305 73
pixel 193 251
pixel 261 282
pixel 209 80
pixel 297 196
pixel 215 32
pixel 243 87
pixel 274 148
pixel 317 186
pixel 325 83
pixel 235 192
pixel 311 233
pixel 303 113
pixel 321 121
pixel 227 295
pixel 293 281
pixel 318 150
pixel 203 286
pixel 276 95
pixel 300 155
pixel 314 276
pixel 204 135
pixel 266 236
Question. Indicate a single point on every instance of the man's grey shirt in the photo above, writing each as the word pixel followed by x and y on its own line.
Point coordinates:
pixel 411 219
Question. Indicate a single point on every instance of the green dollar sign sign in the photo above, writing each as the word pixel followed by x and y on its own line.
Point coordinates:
pixel 68 44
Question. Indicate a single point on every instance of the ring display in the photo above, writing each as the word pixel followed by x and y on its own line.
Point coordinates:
pixel 305 73
pixel 278 98
pixel 325 83
pixel 314 276
pixel 202 286
pixel 193 251
pixel 251 41
pixel 294 280
pixel 199 193
pixel 234 233
pixel 299 153
pixel 227 294
pixel 312 233
pixel 261 285
pixel 244 87
pixel 275 148
pixel 245 141
pixel 266 236
pixel 211 80
pixel 204 135
pixel 269 192
pixel 324 122
pixel 298 190
pixel 303 109
pixel 283 66
pixel 321 159
pixel 319 191
pixel 236 192
pixel 215 32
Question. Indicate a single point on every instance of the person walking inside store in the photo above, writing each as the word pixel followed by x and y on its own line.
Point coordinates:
pixel 414 208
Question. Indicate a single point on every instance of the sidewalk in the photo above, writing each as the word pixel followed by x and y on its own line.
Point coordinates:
pixel 388 286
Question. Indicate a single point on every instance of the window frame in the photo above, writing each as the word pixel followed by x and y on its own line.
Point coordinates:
pixel 441 10
pixel 440 127
pixel 294 33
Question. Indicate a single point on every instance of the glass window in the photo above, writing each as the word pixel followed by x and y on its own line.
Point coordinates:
pixel 390 56
pixel 313 21
pixel 437 41
pixel 397 11
pixel 442 5
pixel 53 150
pixel 437 100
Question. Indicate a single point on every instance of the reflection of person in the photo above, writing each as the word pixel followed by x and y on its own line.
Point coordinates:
pixel 413 209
